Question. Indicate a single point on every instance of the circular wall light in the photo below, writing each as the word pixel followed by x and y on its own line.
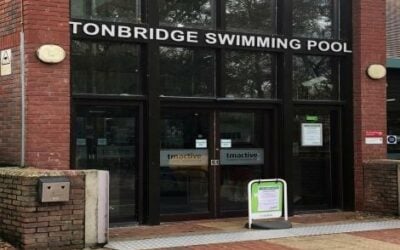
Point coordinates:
pixel 50 53
pixel 376 71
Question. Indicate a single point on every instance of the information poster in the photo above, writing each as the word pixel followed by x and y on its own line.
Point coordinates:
pixel 266 199
pixel 311 134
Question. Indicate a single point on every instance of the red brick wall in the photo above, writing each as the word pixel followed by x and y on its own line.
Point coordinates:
pixel 29 224
pixel 381 187
pixel 369 46
pixel 48 86
pixel 10 87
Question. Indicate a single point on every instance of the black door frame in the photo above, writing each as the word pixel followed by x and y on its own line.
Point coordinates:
pixel 139 147
pixel 271 138
pixel 336 125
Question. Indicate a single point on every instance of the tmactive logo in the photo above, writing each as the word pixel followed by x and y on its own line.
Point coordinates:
pixel 243 156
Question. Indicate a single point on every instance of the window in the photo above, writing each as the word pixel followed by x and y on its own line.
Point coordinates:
pixel 256 16
pixel 107 10
pixel 105 68
pixel 248 75
pixel 313 18
pixel 186 13
pixel 315 78
pixel 187 72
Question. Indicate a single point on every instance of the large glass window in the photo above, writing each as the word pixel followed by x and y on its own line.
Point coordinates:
pixel 107 10
pixel 248 75
pixel 250 16
pixel 393 113
pixel 105 68
pixel 186 13
pixel 315 78
pixel 187 72
pixel 313 18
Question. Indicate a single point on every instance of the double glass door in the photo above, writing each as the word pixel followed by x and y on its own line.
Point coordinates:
pixel 207 158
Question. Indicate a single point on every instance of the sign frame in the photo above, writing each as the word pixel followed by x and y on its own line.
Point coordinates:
pixel 305 142
pixel 282 209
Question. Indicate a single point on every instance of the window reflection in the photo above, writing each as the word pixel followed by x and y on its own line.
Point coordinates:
pixel 186 72
pixel 105 68
pixel 254 16
pixel 248 75
pixel 315 78
pixel 313 18
pixel 185 13
pixel 107 10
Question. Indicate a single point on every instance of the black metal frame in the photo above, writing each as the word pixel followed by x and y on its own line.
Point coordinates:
pixel 284 106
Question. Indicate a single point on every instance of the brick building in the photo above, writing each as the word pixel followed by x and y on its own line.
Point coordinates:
pixel 156 91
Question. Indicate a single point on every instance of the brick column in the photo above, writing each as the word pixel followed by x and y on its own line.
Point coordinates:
pixel 47 85
pixel 369 96
pixel 10 86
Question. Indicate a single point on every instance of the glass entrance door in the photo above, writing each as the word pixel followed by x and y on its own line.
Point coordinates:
pixel 207 158
pixel 241 155
pixel 316 157
pixel 106 138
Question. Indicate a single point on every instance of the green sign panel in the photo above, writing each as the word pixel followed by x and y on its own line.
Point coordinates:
pixel 312 118
pixel 266 199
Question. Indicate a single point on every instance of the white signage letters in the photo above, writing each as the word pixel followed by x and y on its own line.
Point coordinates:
pixel 114 30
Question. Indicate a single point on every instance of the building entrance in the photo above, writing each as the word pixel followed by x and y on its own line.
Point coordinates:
pixel 106 138
pixel 207 158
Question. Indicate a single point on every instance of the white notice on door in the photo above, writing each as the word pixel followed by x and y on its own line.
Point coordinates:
pixel 268 199
pixel 311 134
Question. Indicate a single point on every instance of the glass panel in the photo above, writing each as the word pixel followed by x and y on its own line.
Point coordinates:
pixel 312 164
pixel 241 156
pixel 393 112
pixel 313 18
pixel 185 13
pixel 107 10
pixel 105 68
pixel 105 139
pixel 256 16
pixel 249 75
pixel 315 78
pixel 186 72
pixel 184 162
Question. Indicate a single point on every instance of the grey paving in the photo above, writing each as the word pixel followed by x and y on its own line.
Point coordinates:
pixel 203 239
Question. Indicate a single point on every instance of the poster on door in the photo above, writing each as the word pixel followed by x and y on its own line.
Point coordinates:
pixel 311 135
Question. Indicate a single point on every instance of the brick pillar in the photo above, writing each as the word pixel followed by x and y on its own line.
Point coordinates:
pixel 47 85
pixel 369 96
pixel 10 85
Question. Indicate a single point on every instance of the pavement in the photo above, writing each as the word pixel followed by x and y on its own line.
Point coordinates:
pixel 339 230
pixel 322 231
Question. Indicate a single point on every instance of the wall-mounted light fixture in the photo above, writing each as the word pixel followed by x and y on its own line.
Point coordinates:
pixel 50 53
pixel 376 71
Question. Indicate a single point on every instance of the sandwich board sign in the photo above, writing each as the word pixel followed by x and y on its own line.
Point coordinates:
pixel 267 199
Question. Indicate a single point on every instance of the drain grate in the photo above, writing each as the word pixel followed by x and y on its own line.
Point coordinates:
pixel 250 235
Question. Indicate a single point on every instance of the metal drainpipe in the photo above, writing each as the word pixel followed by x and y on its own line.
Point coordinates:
pixel 22 81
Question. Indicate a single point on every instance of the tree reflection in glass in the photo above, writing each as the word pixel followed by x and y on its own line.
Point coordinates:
pixel 107 10
pixel 105 68
pixel 187 72
pixel 256 16
pixel 314 78
pixel 313 18
pixel 185 13
pixel 249 75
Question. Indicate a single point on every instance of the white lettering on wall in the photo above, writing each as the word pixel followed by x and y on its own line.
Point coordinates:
pixel 212 38
pixel 91 29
